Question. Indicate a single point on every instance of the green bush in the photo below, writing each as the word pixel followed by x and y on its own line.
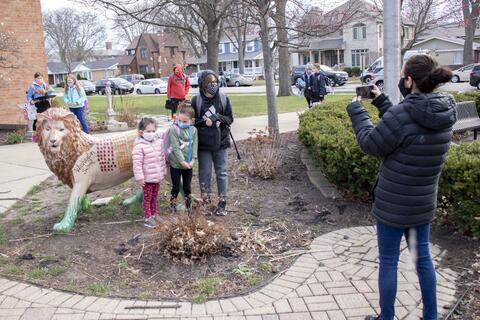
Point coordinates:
pixel 327 133
pixel 14 137
pixel 468 96
pixel 356 72
pixel 150 75
pixel 348 70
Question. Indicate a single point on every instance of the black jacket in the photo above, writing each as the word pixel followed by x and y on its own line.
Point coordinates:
pixel 320 84
pixel 224 114
pixel 412 139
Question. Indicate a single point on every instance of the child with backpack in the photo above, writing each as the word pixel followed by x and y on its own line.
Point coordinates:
pixel 183 140
pixel 149 168
pixel 76 99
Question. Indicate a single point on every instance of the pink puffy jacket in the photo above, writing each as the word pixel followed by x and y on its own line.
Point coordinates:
pixel 149 160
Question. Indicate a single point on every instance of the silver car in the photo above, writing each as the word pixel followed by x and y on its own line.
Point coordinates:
pixel 88 86
pixel 237 80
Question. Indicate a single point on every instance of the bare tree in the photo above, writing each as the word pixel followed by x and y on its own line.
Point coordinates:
pixel 175 15
pixel 128 28
pixel 236 27
pixel 72 34
pixel 471 11
pixel 8 49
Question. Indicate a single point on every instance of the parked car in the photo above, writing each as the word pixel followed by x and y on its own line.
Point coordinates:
pixel 133 78
pixel 335 77
pixel 237 80
pixel 165 79
pixel 156 86
pixel 475 76
pixel 193 78
pixel 463 74
pixel 88 86
pixel 375 67
pixel 118 85
pixel 377 79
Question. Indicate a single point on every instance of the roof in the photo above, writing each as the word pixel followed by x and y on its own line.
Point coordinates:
pixel 103 64
pixel 106 53
pixel 326 44
pixel 458 41
pixel 134 43
pixel 152 40
pixel 227 57
pixel 61 68
pixel 125 60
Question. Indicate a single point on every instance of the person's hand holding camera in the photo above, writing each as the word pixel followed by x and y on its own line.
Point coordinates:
pixel 208 122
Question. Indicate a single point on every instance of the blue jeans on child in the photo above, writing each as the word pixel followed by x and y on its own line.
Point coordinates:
pixel 80 113
pixel 389 239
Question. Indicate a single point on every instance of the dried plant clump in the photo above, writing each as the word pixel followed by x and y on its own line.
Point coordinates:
pixel 126 113
pixel 263 154
pixel 190 237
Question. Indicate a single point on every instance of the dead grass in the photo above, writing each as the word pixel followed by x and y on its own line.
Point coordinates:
pixel 125 111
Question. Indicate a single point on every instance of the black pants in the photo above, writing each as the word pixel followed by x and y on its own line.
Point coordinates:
pixel 186 177
pixel 41 106
pixel 175 104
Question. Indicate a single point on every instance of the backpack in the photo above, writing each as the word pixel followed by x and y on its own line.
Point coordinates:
pixel 199 101
pixel 167 148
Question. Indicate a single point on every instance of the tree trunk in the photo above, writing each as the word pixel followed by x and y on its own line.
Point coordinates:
pixel 269 79
pixel 241 50
pixel 212 46
pixel 285 88
pixel 470 15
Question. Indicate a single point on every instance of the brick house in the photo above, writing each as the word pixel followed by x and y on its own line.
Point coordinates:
pixel 153 53
pixel 26 29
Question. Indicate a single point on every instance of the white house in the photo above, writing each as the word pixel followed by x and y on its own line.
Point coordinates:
pixel 93 70
pixel 357 43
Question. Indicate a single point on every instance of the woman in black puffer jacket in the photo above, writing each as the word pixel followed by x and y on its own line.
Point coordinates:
pixel 412 139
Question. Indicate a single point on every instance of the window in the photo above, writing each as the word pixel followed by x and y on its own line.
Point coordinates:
pixel 143 53
pixel 257 63
pixel 233 48
pixel 248 63
pixel 172 52
pixel 358 57
pixel 458 59
pixel 359 31
pixel 143 69
pixel 380 31
pixel 407 33
pixel 221 48
pixel 250 46
pixel 131 52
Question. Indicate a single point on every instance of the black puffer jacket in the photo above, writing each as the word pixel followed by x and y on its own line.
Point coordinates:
pixel 412 139
pixel 224 114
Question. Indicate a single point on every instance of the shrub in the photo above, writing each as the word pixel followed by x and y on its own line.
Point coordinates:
pixel 356 72
pixel 126 111
pixel 348 70
pixel 14 137
pixel 327 133
pixel 150 75
pixel 60 85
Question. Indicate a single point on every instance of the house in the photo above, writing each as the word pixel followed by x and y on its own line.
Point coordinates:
pixel 446 43
pixel 26 56
pixel 355 43
pixel 107 53
pixel 228 57
pixel 93 70
pixel 153 53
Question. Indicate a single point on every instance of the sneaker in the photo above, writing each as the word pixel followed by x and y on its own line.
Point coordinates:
pixel 221 208
pixel 149 223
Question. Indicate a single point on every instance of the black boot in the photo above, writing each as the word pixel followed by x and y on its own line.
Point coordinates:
pixel 173 204
pixel 188 204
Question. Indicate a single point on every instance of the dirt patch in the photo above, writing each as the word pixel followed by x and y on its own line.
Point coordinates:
pixel 108 251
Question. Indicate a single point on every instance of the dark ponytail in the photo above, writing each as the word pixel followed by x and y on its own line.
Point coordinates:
pixel 426 72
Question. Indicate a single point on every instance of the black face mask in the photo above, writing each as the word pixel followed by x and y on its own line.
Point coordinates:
pixel 403 90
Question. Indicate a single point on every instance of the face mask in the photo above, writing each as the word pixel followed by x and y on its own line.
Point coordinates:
pixel 149 136
pixel 70 84
pixel 212 88
pixel 183 125
pixel 39 82
pixel 401 86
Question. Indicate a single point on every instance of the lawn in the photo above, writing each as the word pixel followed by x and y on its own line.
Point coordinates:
pixel 243 105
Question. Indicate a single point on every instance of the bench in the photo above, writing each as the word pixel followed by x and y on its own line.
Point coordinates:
pixel 467 118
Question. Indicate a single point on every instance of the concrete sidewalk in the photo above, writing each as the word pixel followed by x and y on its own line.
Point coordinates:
pixel 22 166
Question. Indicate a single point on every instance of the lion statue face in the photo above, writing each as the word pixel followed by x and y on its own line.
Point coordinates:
pixel 54 126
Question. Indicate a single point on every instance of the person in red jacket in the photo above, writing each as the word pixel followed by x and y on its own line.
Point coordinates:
pixel 178 86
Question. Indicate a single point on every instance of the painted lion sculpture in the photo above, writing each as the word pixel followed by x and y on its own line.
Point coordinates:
pixel 86 164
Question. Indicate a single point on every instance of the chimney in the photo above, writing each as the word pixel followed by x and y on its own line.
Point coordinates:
pixel 108 45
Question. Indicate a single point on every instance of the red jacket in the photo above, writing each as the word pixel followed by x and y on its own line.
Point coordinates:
pixel 178 84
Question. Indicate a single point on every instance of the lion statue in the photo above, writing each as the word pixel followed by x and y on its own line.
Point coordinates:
pixel 86 164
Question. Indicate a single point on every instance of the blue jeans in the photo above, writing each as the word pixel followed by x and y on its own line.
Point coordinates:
pixel 80 113
pixel 389 239
pixel 219 161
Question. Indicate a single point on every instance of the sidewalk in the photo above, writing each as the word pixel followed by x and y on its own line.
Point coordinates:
pixel 22 166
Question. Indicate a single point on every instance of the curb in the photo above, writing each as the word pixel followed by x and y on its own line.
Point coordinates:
pixel 316 177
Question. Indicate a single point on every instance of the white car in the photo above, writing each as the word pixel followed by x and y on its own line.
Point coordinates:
pixel 193 78
pixel 156 86
pixel 462 74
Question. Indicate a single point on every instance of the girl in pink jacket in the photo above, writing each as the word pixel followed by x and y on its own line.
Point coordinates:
pixel 149 167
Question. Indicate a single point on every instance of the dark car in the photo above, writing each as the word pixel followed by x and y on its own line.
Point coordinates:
pixel 475 76
pixel 88 86
pixel 118 85
pixel 335 77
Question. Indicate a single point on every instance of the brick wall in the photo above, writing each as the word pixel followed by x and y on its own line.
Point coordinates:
pixel 24 19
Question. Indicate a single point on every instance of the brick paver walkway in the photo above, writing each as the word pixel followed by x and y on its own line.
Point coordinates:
pixel 336 280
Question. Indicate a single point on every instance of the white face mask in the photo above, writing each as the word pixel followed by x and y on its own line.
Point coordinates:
pixel 149 136
pixel 70 84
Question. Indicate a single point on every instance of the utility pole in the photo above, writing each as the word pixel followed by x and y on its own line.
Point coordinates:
pixel 392 48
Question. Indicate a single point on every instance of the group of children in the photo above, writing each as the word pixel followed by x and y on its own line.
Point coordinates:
pixel 153 152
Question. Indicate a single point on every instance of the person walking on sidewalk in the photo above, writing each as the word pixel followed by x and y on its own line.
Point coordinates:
pixel 412 139
pixel 75 99
pixel 178 87
pixel 149 168
pixel 310 83
pixel 183 141
pixel 39 88
pixel 213 116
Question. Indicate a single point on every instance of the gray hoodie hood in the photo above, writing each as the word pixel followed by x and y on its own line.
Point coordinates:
pixel 432 110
